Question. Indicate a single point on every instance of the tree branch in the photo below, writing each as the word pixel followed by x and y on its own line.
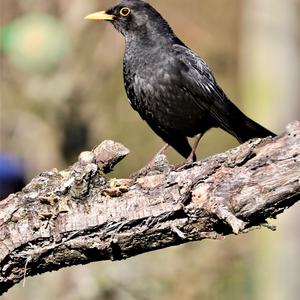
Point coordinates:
pixel 79 215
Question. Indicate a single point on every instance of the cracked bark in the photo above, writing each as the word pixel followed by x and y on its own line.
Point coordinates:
pixel 79 215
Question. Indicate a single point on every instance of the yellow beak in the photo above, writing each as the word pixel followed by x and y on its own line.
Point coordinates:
pixel 100 15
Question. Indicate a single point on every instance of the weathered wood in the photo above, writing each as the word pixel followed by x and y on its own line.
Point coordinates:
pixel 79 215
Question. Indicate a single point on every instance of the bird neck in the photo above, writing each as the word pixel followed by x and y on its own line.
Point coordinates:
pixel 151 33
pixel 149 44
pixel 143 49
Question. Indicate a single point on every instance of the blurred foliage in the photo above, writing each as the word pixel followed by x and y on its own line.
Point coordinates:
pixel 62 92
pixel 34 42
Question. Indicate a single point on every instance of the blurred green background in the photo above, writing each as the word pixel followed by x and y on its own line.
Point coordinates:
pixel 62 92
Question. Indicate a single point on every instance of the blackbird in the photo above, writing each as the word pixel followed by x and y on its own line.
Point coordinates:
pixel 171 87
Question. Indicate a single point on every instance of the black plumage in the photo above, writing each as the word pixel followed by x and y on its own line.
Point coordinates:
pixel 172 88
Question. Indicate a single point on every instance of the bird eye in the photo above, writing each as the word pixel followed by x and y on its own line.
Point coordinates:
pixel 125 11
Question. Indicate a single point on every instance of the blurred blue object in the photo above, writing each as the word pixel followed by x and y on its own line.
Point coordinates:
pixel 12 175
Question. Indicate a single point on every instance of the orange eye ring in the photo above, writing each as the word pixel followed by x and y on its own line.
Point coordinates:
pixel 125 11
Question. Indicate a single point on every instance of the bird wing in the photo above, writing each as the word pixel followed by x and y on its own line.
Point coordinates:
pixel 207 94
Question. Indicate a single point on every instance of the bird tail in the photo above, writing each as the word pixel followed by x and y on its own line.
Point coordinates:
pixel 249 129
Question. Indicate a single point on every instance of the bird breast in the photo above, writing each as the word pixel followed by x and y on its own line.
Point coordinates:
pixel 157 91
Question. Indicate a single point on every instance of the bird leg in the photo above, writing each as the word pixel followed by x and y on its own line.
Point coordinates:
pixel 154 164
pixel 192 156
pixel 162 150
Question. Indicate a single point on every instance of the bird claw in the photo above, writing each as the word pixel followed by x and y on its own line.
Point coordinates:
pixel 182 166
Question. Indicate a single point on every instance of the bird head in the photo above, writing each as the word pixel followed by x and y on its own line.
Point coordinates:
pixel 134 18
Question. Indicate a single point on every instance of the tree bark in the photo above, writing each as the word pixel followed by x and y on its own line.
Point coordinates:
pixel 79 215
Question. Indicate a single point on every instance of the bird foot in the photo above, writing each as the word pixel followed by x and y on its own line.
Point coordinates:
pixel 187 164
pixel 183 166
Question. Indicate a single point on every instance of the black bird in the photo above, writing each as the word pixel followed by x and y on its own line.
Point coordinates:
pixel 171 87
